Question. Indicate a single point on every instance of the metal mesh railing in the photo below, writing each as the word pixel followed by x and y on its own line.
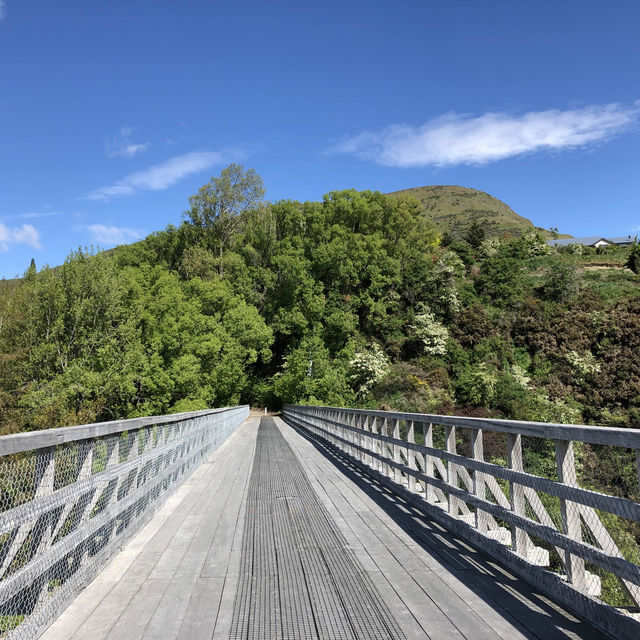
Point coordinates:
pixel 70 497
pixel 557 503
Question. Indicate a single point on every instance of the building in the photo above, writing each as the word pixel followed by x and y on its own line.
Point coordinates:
pixel 593 241
pixel 623 241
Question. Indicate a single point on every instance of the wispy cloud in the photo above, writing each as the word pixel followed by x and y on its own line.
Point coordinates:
pixel 164 175
pixel 122 145
pixel 131 150
pixel 3 11
pixel 32 215
pixel 454 139
pixel 26 234
pixel 112 235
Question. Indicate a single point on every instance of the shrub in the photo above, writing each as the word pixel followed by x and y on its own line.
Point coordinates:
pixel 367 368
pixel 431 333
pixel 560 282
pixel 476 386
pixel 633 261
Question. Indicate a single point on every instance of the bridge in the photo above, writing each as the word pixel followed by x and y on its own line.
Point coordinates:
pixel 320 523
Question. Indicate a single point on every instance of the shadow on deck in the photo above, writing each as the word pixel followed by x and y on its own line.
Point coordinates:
pixel 538 616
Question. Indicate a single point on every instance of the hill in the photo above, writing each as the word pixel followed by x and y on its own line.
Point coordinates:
pixel 454 209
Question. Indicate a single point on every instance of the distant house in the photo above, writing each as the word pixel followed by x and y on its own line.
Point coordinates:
pixel 623 241
pixel 593 241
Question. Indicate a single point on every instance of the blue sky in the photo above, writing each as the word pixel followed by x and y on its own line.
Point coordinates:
pixel 113 113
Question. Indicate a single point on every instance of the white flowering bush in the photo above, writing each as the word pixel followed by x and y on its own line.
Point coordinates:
pixel 452 262
pixel 476 385
pixel 431 333
pixel 444 285
pixel 490 247
pixel 576 249
pixel 582 364
pixel 520 376
pixel 367 368
pixel 558 411
pixel 535 244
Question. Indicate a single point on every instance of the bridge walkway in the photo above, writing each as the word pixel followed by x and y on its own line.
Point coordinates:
pixel 325 553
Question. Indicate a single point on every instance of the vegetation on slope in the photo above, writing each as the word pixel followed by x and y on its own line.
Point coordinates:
pixel 357 300
pixel 454 209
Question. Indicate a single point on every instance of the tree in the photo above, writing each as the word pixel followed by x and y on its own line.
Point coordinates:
pixel 476 235
pixel 367 368
pixel 633 261
pixel 561 282
pixel 218 206
pixel 432 334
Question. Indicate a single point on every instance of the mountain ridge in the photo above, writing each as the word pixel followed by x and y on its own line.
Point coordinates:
pixel 454 209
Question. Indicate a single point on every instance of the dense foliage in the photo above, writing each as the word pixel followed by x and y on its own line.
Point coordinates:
pixel 355 300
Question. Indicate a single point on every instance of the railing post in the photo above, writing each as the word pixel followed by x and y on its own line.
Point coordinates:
pixel 566 467
pixel 384 449
pixel 427 432
pixel 411 456
pixel 397 473
pixel 516 493
pixel 452 469
pixel 479 490
pixel 373 427
pixel 366 440
pixel 45 472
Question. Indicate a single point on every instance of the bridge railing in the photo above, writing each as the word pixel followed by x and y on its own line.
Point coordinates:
pixel 516 490
pixel 70 497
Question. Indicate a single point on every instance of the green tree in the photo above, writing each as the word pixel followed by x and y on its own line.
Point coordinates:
pixel 218 206
pixel 475 235
pixel 560 282
pixel 633 261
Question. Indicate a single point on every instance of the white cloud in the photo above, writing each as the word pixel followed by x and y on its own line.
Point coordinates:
pixel 130 150
pixel 164 175
pixel 461 139
pixel 35 214
pixel 3 12
pixel 112 235
pixel 123 146
pixel 26 234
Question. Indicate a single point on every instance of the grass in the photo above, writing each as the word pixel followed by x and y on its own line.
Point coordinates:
pixel 454 209
pixel 8 623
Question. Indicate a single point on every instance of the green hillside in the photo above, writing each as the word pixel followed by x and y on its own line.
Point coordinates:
pixel 454 209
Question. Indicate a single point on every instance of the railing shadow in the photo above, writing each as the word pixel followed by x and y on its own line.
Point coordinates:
pixel 512 598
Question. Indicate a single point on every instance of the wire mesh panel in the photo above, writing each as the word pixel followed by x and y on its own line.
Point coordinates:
pixel 70 497
pixel 560 504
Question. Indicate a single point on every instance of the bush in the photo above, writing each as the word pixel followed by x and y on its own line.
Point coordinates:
pixel 367 368
pixel 633 261
pixel 432 334
pixel 476 386
pixel 560 282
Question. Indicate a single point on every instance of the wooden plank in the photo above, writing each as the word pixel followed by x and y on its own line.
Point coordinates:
pixel 493 603
pixel 610 562
pixel 565 464
pixel 426 572
pixel 396 561
pixel 125 597
pixel 202 612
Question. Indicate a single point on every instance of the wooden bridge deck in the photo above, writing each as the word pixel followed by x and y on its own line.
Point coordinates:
pixel 178 578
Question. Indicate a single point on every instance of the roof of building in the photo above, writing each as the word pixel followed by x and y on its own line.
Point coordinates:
pixel 589 241
pixel 622 239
